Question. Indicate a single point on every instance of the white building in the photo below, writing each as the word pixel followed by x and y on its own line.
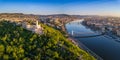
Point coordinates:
pixel 34 28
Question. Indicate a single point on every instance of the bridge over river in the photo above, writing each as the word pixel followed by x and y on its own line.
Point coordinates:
pixel 84 34
pixel 103 46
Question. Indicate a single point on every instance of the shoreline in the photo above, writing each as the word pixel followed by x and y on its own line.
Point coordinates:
pixel 81 45
pixel 113 36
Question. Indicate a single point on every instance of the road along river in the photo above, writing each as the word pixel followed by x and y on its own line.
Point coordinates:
pixel 103 45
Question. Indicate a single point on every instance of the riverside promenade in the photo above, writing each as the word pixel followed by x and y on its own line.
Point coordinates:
pixel 82 46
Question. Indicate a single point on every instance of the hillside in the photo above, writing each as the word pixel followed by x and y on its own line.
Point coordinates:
pixel 17 43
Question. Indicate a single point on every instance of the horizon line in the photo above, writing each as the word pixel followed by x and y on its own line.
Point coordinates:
pixel 61 13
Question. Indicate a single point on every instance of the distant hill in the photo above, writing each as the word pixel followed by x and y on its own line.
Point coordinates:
pixel 18 16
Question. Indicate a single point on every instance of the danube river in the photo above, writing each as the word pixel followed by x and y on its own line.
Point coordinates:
pixel 104 46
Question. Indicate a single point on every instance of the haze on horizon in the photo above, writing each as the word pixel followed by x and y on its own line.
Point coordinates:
pixel 72 7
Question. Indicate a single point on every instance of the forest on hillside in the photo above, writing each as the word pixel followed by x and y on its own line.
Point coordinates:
pixel 17 43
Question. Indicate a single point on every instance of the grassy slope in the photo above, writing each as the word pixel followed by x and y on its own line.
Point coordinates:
pixel 18 43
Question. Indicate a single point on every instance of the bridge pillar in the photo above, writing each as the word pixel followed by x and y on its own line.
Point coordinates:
pixel 72 32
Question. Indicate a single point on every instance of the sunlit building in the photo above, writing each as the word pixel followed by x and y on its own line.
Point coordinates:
pixel 34 28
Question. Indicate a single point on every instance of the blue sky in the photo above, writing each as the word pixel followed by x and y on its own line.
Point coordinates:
pixel 77 7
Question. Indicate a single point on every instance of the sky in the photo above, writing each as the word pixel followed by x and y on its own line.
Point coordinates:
pixel 72 7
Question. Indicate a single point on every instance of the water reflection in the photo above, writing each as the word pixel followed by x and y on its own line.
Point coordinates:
pixel 104 45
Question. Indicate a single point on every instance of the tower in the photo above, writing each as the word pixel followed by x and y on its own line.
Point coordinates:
pixel 37 24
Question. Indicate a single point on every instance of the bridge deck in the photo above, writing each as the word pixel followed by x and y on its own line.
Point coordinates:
pixel 78 36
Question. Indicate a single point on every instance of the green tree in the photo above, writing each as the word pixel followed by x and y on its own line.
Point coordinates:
pixel 1 50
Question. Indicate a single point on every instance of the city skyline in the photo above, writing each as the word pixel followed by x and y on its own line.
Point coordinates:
pixel 72 7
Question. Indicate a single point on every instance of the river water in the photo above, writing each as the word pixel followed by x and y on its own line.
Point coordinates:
pixel 104 46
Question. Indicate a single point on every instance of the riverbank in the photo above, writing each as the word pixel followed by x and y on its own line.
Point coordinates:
pixel 105 47
pixel 82 46
pixel 107 32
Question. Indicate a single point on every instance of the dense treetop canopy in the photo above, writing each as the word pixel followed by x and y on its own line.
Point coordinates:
pixel 17 43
